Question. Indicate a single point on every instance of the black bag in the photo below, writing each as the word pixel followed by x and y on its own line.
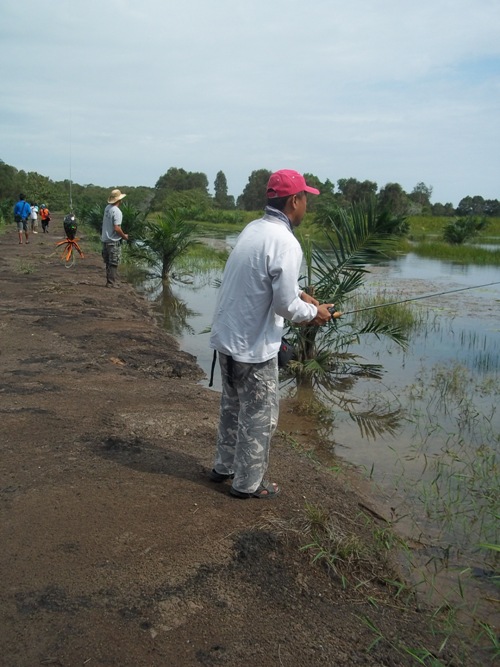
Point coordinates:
pixel 18 218
pixel 69 225
pixel 286 353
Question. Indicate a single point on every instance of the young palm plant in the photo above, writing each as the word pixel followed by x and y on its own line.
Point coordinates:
pixel 354 238
pixel 165 238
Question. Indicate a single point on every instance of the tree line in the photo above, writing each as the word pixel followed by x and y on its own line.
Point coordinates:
pixel 178 188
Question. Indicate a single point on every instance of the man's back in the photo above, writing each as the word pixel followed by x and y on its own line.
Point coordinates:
pixel 258 287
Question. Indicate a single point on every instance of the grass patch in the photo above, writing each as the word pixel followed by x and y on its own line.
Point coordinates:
pixel 462 254
pixel 424 227
pixel 25 267
pixel 201 258
pixel 341 545
pixel 403 315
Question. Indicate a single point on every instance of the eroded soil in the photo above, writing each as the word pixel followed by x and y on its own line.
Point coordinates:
pixel 116 549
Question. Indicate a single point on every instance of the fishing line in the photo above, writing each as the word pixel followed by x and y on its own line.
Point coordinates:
pixel 70 161
pixel 417 298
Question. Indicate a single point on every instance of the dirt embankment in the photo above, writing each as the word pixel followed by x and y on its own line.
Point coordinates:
pixel 116 549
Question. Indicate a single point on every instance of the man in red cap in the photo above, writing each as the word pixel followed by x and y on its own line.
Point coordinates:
pixel 259 290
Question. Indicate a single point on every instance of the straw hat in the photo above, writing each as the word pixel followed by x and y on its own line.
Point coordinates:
pixel 115 196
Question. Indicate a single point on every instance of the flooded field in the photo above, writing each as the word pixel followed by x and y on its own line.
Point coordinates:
pixel 434 448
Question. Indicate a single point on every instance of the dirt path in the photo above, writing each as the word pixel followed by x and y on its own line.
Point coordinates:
pixel 116 549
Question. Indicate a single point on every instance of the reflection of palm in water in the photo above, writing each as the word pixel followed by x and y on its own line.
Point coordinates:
pixel 325 395
pixel 176 313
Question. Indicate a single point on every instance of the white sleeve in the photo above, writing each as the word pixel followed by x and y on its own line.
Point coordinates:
pixel 286 291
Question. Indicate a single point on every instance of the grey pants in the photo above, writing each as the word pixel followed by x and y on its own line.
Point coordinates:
pixel 248 418
pixel 111 254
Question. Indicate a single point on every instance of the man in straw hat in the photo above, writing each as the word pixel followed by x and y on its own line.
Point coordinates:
pixel 259 290
pixel 111 236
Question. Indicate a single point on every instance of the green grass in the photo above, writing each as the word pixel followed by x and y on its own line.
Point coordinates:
pixel 462 254
pixel 201 258
pixel 402 315
pixel 26 267
pixel 423 228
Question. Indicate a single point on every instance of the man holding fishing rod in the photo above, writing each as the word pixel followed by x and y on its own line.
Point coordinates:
pixel 259 290
pixel 112 235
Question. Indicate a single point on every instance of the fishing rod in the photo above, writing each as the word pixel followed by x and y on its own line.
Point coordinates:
pixel 70 160
pixel 417 298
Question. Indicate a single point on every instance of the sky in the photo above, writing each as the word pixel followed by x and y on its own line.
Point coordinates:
pixel 115 92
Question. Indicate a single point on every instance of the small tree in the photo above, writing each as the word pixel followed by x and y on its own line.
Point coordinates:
pixel 221 198
pixel 464 229
pixel 165 238
pixel 421 196
pixel 253 197
pixel 393 198
pixel 353 191
pixel 356 237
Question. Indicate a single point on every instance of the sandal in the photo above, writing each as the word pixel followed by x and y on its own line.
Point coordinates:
pixel 264 490
pixel 219 476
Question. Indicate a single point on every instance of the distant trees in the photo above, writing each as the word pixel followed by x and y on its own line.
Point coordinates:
pixel 253 197
pixel 478 206
pixel 422 194
pixel 393 198
pixel 353 191
pixel 221 197
pixel 12 182
pixel 186 190
pixel 446 210
pixel 192 184
pixel 419 200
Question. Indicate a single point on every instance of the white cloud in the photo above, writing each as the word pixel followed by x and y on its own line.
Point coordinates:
pixel 388 91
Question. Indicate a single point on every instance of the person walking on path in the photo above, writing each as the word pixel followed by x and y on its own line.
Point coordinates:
pixel 259 290
pixel 45 216
pixel 111 236
pixel 34 218
pixel 22 212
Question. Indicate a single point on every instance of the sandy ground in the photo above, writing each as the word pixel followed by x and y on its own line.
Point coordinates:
pixel 116 548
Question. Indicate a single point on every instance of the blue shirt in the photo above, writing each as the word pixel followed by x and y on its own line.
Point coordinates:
pixel 22 208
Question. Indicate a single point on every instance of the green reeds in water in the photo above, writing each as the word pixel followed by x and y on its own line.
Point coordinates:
pixel 404 315
pixel 459 488
pixel 201 258
pixel 462 254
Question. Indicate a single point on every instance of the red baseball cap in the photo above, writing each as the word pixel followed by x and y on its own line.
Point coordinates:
pixel 287 182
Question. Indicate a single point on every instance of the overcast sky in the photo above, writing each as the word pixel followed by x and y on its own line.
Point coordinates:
pixel 115 92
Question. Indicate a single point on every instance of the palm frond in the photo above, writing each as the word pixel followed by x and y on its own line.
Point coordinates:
pixel 372 423
pixel 356 238
pixel 167 236
pixel 378 329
